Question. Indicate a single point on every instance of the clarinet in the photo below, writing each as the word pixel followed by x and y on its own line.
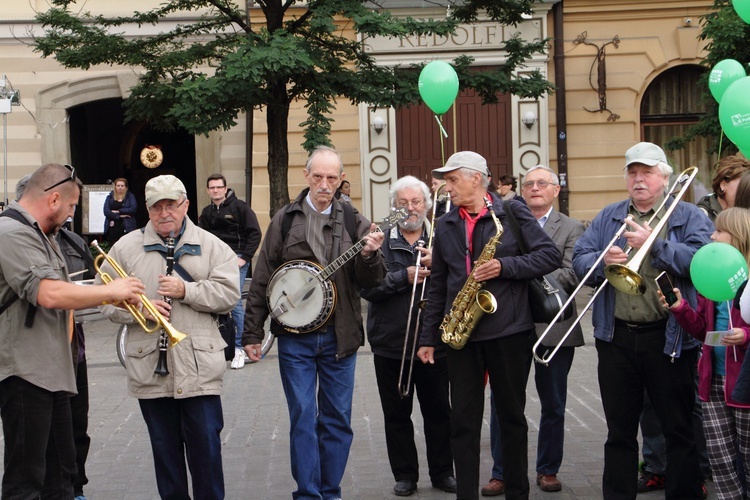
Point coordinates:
pixel 161 365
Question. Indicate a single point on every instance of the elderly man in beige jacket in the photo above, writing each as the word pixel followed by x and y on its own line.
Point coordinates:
pixel 182 408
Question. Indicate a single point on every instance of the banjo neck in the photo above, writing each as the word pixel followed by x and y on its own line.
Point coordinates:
pixel 345 257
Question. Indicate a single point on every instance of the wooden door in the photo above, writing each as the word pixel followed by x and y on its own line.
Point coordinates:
pixel 470 125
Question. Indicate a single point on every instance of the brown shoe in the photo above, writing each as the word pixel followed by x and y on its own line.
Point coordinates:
pixel 494 488
pixel 548 482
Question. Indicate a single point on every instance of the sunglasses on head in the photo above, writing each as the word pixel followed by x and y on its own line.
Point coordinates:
pixel 71 178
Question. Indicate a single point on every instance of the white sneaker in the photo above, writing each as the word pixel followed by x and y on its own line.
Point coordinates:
pixel 239 359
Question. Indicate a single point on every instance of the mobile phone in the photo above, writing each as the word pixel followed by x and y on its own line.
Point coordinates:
pixel 666 287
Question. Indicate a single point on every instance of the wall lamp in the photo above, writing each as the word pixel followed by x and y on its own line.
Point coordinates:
pixel 378 124
pixel 529 119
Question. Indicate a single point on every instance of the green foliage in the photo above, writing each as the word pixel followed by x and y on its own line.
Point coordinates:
pixel 726 37
pixel 200 76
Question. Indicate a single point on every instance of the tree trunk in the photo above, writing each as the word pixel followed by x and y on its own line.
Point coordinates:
pixel 277 118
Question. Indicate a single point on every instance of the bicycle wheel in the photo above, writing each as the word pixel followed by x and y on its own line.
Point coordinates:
pixel 122 338
pixel 265 347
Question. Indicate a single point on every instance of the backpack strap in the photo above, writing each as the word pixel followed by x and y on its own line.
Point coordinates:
pixel 85 254
pixel 31 310
pixel 350 222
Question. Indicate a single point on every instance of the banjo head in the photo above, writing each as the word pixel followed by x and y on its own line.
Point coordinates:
pixel 298 299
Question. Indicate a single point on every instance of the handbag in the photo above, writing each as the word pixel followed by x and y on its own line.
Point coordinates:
pixel 546 296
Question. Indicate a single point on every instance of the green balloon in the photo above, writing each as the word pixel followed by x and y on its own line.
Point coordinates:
pixel 438 86
pixel 734 113
pixel 718 270
pixel 724 74
pixel 742 8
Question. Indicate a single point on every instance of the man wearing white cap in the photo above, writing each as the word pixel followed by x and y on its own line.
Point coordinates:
pixel 500 344
pixel 639 345
pixel 182 409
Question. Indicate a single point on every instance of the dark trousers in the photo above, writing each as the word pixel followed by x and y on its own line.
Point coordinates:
pixel 430 382
pixel 629 364
pixel 507 360
pixel 39 452
pixel 79 408
pixel 186 428
pixel 552 387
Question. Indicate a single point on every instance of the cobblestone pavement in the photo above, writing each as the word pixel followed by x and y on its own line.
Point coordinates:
pixel 256 433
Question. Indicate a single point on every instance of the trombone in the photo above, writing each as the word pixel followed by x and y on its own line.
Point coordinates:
pixel 624 277
pixel 404 388
pixel 161 322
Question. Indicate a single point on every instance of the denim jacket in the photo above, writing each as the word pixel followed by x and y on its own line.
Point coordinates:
pixel 688 229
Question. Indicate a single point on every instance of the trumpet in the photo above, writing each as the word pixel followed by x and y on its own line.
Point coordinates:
pixel 161 322
pixel 624 278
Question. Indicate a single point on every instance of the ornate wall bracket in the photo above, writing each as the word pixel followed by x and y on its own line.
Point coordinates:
pixel 601 74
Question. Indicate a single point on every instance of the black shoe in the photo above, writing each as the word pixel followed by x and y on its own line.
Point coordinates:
pixel 405 487
pixel 447 484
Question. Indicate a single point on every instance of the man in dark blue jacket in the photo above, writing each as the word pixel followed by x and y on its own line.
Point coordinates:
pixel 397 373
pixel 235 223
pixel 500 344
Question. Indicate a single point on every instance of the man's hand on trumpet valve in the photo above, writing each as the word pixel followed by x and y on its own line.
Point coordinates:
pixel 426 354
pixel 126 290
pixel 171 286
pixel 420 274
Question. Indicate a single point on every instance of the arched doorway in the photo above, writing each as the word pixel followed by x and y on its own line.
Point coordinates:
pixel 671 104
pixel 92 135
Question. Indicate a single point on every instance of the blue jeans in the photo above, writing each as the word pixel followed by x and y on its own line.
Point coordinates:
pixel 238 313
pixel 552 387
pixel 40 457
pixel 186 428
pixel 318 390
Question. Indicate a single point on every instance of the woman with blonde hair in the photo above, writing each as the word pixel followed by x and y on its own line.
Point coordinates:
pixel 726 420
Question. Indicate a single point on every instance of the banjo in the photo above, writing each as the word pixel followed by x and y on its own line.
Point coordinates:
pixel 300 294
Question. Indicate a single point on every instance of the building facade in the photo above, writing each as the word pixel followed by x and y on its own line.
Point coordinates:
pixel 627 70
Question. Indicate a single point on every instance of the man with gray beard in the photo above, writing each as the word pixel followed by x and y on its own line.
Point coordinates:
pixel 387 323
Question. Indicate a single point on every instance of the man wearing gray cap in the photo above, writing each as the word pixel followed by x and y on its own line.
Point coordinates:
pixel 640 346
pixel 499 344
pixel 182 408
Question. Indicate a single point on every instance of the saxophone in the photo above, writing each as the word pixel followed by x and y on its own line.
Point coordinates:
pixel 472 301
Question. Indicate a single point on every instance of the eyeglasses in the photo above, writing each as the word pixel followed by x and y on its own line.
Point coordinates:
pixel 414 203
pixel 71 178
pixel 217 187
pixel 170 207
pixel 541 184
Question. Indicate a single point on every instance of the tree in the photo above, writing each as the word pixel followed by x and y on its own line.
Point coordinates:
pixel 726 36
pixel 201 75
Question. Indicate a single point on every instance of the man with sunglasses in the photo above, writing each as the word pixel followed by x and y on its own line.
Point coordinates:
pixel 37 300
pixel 182 408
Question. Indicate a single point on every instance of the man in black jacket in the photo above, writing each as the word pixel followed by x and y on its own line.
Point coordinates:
pixel 235 223
pixel 387 324
pixel 500 344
